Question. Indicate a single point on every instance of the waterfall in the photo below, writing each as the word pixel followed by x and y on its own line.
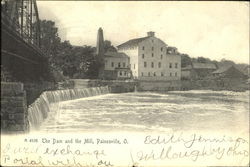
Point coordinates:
pixel 47 102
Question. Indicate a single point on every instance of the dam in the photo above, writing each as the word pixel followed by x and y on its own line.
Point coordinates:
pixel 48 102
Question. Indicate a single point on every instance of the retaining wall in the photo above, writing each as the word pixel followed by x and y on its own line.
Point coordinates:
pixel 159 85
pixel 14 112
pixel 115 86
pixel 218 84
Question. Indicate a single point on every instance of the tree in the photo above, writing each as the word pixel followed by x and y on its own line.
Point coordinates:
pixel 50 40
pixel 109 47
pixel 85 59
pixel 203 60
pixel 185 60
pixel 73 61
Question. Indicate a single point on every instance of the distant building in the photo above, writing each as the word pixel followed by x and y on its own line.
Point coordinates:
pixel 113 65
pixel 229 72
pixel 197 70
pixel 116 66
pixel 152 59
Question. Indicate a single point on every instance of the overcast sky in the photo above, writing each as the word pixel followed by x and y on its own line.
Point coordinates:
pixel 210 29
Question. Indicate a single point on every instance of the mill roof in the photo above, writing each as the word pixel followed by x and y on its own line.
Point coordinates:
pixel 222 69
pixel 132 42
pixel 116 54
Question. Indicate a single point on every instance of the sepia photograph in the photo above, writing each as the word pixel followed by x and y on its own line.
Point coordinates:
pixel 124 83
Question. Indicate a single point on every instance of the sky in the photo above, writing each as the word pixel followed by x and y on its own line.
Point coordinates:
pixel 215 30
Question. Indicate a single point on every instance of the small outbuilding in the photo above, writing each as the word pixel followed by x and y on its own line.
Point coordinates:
pixel 197 70
pixel 229 72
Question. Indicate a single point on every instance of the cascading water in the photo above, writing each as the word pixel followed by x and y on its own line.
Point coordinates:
pixel 48 102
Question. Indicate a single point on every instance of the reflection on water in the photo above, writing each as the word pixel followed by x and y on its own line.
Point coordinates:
pixel 153 112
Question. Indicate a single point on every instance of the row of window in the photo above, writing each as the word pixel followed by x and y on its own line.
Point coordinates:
pixel 161 74
pixel 123 73
pixel 119 64
pixel 152 48
pixel 159 65
pixel 145 65
pixel 143 56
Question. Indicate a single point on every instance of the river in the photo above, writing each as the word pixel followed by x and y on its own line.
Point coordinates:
pixel 203 110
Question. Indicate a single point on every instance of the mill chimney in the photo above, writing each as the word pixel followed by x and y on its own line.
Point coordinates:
pixel 151 34
pixel 100 43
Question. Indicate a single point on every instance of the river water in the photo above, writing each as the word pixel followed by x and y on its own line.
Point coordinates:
pixel 220 111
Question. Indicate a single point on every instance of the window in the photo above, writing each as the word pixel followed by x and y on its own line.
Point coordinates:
pixel 149 74
pixel 152 64
pixel 106 63
pixel 161 56
pixel 152 48
pixel 154 74
pixel 112 64
pixel 170 65
pixel 120 73
pixel 161 48
pixel 134 66
pixel 125 73
pixel 170 74
pixel 143 48
pixel 176 65
pixel 142 74
pixel 145 64
pixel 159 64
pixel 176 74
pixel 143 56
pixel 119 64
pixel 124 64
pixel 152 54
pixel 162 74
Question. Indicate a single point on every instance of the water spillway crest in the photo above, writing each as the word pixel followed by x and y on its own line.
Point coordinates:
pixel 49 102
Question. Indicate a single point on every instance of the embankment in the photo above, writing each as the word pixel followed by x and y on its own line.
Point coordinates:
pixel 116 86
pixel 219 84
pixel 122 86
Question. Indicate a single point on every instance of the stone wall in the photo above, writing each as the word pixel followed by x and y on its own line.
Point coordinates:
pixel 14 112
pixel 120 86
pixel 216 84
pixel 159 85
pixel 116 86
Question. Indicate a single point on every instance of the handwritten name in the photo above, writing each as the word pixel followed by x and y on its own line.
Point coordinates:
pixel 188 143
pixel 169 153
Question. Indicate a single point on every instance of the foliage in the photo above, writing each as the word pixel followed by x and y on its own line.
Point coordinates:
pixel 50 39
pixel 203 60
pixel 109 47
pixel 72 61
pixel 185 60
